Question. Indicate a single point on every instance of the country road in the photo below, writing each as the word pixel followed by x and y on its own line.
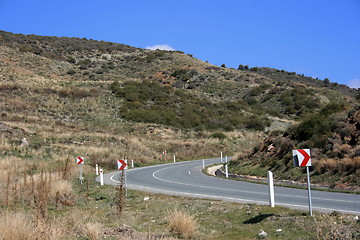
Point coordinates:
pixel 187 179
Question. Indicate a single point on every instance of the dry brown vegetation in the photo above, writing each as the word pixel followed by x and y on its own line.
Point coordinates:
pixel 55 93
pixel 182 224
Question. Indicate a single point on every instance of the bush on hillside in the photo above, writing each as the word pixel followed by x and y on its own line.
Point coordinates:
pixel 316 128
pixel 152 103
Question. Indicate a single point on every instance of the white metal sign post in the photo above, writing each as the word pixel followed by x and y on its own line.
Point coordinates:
pixel 80 162
pixel 302 158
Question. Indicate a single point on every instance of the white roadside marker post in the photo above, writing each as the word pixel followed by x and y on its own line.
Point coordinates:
pixel 226 159
pixel 221 157
pixel 132 163
pixel 101 177
pixel 97 169
pixel 174 158
pixel 271 188
pixel 226 171
pixel 203 164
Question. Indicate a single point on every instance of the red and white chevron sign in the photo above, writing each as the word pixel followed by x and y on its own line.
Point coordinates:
pixel 302 157
pixel 122 164
pixel 80 160
pixel 164 152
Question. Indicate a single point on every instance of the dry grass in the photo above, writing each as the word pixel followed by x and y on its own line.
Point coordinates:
pixel 17 226
pixel 92 231
pixel 344 164
pixel 334 227
pixel 325 164
pixel 182 224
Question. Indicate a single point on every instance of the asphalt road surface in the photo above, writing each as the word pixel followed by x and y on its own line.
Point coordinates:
pixel 187 179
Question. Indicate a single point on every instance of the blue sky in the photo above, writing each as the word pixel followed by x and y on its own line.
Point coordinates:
pixel 318 38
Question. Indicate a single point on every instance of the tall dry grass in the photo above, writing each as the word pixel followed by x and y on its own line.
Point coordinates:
pixel 92 231
pixel 344 164
pixel 18 226
pixel 182 224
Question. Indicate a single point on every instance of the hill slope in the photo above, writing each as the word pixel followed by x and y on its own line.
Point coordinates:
pixel 333 135
pixel 68 93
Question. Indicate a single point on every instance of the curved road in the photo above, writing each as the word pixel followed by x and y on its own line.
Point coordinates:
pixel 187 179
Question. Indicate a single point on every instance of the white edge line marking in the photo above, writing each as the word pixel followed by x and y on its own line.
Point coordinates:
pixel 230 190
pixel 239 200
pixel 233 199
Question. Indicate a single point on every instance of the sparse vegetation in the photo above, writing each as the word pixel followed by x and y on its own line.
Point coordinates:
pixel 149 102
pixel 334 144
pixel 76 97
pixel 182 224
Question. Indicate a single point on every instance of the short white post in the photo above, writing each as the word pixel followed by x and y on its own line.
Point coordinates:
pixel 101 177
pixel 132 163
pixel 97 169
pixel 174 158
pixel 271 188
pixel 226 159
pixel 220 157
pixel 203 163
pixel 226 171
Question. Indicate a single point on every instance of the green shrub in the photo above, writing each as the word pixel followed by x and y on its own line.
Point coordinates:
pixel 149 102
pixel 219 135
pixel 316 128
pixel 71 72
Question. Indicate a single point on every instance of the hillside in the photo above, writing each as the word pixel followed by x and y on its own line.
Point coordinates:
pixel 66 94
pixel 61 98
pixel 333 135
pixel 63 66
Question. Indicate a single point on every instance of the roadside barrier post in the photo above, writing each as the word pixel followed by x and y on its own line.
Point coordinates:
pixel 97 169
pixel 271 188
pixel 221 157
pixel 101 177
pixel 226 171
pixel 203 163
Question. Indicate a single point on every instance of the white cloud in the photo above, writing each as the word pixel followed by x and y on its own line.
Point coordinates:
pixel 161 47
pixel 355 83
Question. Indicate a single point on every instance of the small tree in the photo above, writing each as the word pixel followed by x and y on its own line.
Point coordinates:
pixel 241 67
pixel 223 65
pixel 246 67
pixel 326 81
pixel 358 95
